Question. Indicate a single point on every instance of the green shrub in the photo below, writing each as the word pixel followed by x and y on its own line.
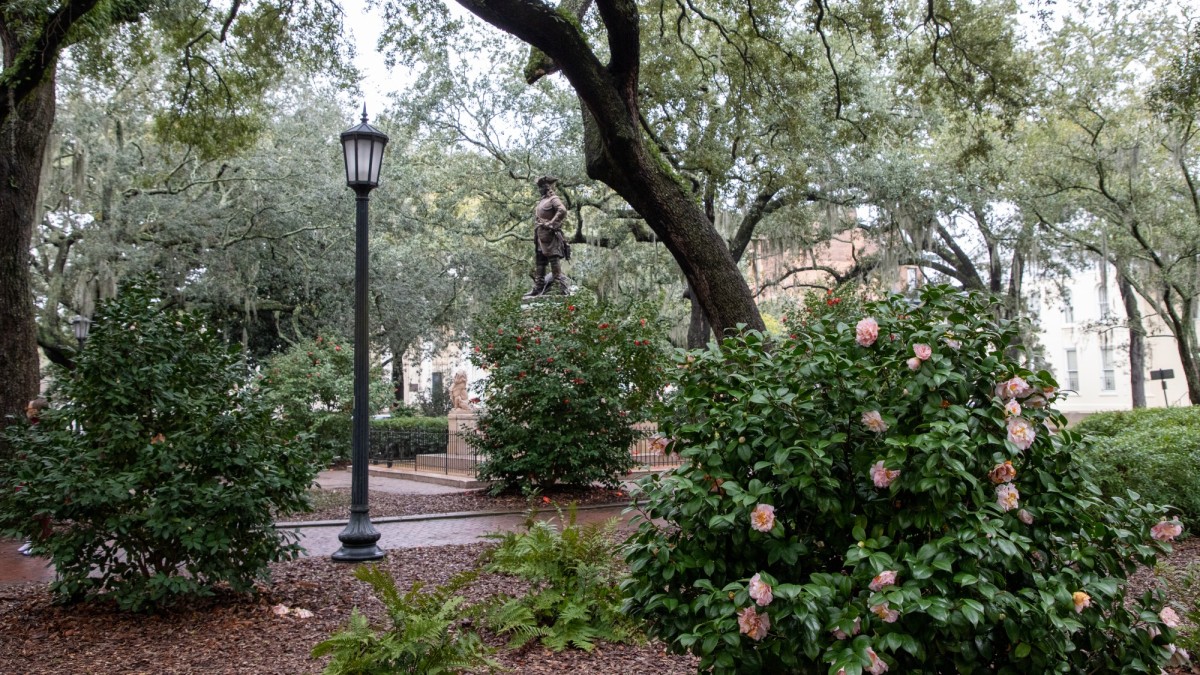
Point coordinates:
pixel 567 381
pixel 417 423
pixel 846 502
pixel 311 386
pixel 1153 452
pixel 157 468
pixel 436 403
pixel 573 573
pixel 423 637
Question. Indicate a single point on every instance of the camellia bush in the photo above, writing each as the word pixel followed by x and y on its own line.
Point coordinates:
pixel 155 473
pixel 879 490
pixel 311 388
pixel 567 380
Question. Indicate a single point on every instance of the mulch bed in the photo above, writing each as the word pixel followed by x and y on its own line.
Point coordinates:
pixel 236 635
pixel 334 503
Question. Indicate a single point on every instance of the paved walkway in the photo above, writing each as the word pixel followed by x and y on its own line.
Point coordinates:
pixel 411 532
pixel 340 478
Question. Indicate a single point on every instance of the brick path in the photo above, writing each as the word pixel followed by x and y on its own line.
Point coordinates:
pixel 411 532
pixel 438 532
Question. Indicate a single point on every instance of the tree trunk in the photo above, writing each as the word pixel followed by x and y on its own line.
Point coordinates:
pixel 1137 342
pixel 23 139
pixel 1183 326
pixel 698 328
pixel 616 148
pixel 398 376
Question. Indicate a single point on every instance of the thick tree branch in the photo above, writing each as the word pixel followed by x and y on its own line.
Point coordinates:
pixel 36 59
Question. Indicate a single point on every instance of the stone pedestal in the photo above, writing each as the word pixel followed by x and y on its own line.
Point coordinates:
pixel 461 425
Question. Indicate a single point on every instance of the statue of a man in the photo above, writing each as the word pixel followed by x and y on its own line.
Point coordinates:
pixel 549 242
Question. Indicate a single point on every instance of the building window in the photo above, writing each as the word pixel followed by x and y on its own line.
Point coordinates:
pixel 913 279
pixel 1105 310
pixel 436 383
pixel 1072 370
pixel 1068 314
pixel 1108 373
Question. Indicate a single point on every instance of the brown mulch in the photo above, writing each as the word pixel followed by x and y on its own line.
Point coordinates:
pixel 334 503
pixel 238 635
pixel 230 634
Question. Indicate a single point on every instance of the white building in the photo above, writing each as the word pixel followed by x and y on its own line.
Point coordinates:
pixel 1086 343
pixel 427 369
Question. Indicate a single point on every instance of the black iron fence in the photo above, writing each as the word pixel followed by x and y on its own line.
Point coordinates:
pixel 650 450
pixel 437 451
pixel 403 446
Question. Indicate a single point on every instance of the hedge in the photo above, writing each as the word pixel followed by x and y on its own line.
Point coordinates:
pixel 1155 452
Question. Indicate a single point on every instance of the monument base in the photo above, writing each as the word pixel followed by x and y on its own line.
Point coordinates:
pixel 461 424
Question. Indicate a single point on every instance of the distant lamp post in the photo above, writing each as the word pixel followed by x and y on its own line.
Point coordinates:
pixel 81 325
pixel 362 148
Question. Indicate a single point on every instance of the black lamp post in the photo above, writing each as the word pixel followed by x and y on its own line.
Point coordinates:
pixel 81 325
pixel 362 147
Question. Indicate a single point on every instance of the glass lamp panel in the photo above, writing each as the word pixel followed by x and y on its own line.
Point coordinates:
pixel 363 160
pixel 377 159
pixel 348 151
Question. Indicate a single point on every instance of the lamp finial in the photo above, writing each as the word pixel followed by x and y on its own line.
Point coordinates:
pixel 364 117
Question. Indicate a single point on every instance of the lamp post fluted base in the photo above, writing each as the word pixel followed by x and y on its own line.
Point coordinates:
pixel 358 540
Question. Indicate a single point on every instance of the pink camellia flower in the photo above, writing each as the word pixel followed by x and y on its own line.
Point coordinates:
pixel 1025 517
pixel 1082 601
pixel 866 332
pixel 878 665
pixel 883 580
pixel 1012 408
pixel 914 363
pixel 874 421
pixel 1014 388
pixel 1021 432
pixel 760 591
pixel 840 634
pixel 1166 530
pixel 1035 401
pixel 884 612
pixel 1008 497
pixel 1003 473
pixel 762 518
pixel 883 477
pixel 753 624
pixel 923 351
pixel 953 344
pixel 1169 617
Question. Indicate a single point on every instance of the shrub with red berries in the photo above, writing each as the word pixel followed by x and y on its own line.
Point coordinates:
pixel 561 405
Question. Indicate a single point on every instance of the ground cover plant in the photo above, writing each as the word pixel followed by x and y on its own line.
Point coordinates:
pixel 155 473
pixel 568 379
pixel 1153 451
pixel 423 637
pixel 880 490
pixel 570 599
pixel 574 571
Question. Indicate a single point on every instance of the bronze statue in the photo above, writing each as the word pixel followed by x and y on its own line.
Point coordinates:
pixel 549 243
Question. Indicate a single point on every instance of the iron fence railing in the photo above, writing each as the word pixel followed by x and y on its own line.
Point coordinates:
pixel 650 449
pixel 402 446
pixel 440 451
